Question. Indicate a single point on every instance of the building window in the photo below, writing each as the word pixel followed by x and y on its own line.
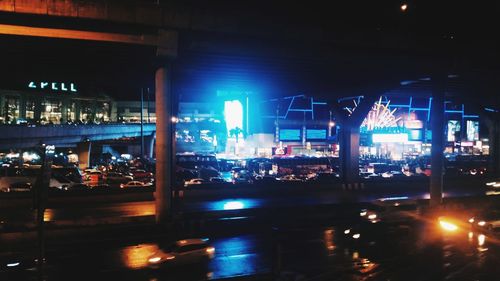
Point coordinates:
pixel 11 109
pixel 102 112
pixel 30 109
pixel 51 111
pixel 86 112
pixel 71 114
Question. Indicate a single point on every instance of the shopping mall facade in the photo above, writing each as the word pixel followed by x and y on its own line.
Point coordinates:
pixel 244 126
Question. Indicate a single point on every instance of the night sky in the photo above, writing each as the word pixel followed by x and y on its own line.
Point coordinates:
pixel 278 48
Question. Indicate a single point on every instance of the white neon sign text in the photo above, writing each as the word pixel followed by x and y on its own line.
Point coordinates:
pixel 55 86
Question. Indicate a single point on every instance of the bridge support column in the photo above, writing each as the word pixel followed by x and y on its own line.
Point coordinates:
pixel 149 146
pixel 84 149
pixel 349 155
pixel 437 122
pixel 164 145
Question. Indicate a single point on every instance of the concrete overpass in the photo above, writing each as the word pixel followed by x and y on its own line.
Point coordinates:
pixel 81 136
pixel 371 59
pixel 30 136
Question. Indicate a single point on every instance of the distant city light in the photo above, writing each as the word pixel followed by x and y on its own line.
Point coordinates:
pixel 175 119
pixel 331 124
pixel 404 7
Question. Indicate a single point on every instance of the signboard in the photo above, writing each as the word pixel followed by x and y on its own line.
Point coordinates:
pixel 453 127
pixel 385 138
pixel 472 130
pixel 290 135
pixel 315 134
pixel 54 86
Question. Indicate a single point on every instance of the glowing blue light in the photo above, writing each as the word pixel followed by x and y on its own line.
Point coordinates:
pixel 233 205
pixel 394 198
pixel 233 114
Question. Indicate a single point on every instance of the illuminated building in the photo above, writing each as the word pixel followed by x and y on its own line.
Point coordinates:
pixel 47 102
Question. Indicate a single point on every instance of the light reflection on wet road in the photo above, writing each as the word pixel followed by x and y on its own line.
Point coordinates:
pixel 321 253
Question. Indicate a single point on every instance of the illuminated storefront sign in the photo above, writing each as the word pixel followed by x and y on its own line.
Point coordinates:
pixel 380 138
pixel 54 86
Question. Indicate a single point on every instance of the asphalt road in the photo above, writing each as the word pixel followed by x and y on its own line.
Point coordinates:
pixel 409 251
pixel 70 212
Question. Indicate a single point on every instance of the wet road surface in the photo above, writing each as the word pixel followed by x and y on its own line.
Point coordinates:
pixel 417 250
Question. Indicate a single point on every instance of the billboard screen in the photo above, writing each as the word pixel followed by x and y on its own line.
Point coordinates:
pixel 314 134
pixel 453 127
pixel 472 130
pixel 290 135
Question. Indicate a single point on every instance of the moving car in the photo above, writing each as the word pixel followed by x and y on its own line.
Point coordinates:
pixel 392 210
pixel 488 221
pixel 182 252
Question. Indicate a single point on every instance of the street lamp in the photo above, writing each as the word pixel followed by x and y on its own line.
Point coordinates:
pixel 404 7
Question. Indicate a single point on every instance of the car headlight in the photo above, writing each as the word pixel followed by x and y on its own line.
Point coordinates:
pixel 481 223
pixel 372 216
pixel 471 220
pixel 154 259
pixel 448 226
pixel 210 250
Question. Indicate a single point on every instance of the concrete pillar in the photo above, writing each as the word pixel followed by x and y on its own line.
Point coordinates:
pixel 493 125
pixel 22 107
pixel 38 109
pixel 164 145
pixel 149 145
pixel 349 153
pixel 2 107
pixel 84 149
pixel 64 111
pixel 437 121
pixel 78 110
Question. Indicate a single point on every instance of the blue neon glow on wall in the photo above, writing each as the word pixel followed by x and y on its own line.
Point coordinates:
pixel 233 114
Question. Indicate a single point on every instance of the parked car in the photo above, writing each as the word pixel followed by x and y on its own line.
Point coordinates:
pixel 243 176
pixel 75 187
pixel 20 187
pixel 134 184
pixel 113 177
pixel 194 181
pixel 182 252
pixel 140 174
pixel 289 178
pixel 217 180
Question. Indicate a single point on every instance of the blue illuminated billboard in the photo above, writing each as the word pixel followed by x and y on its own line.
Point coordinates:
pixel 290 135
pixel 314 134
